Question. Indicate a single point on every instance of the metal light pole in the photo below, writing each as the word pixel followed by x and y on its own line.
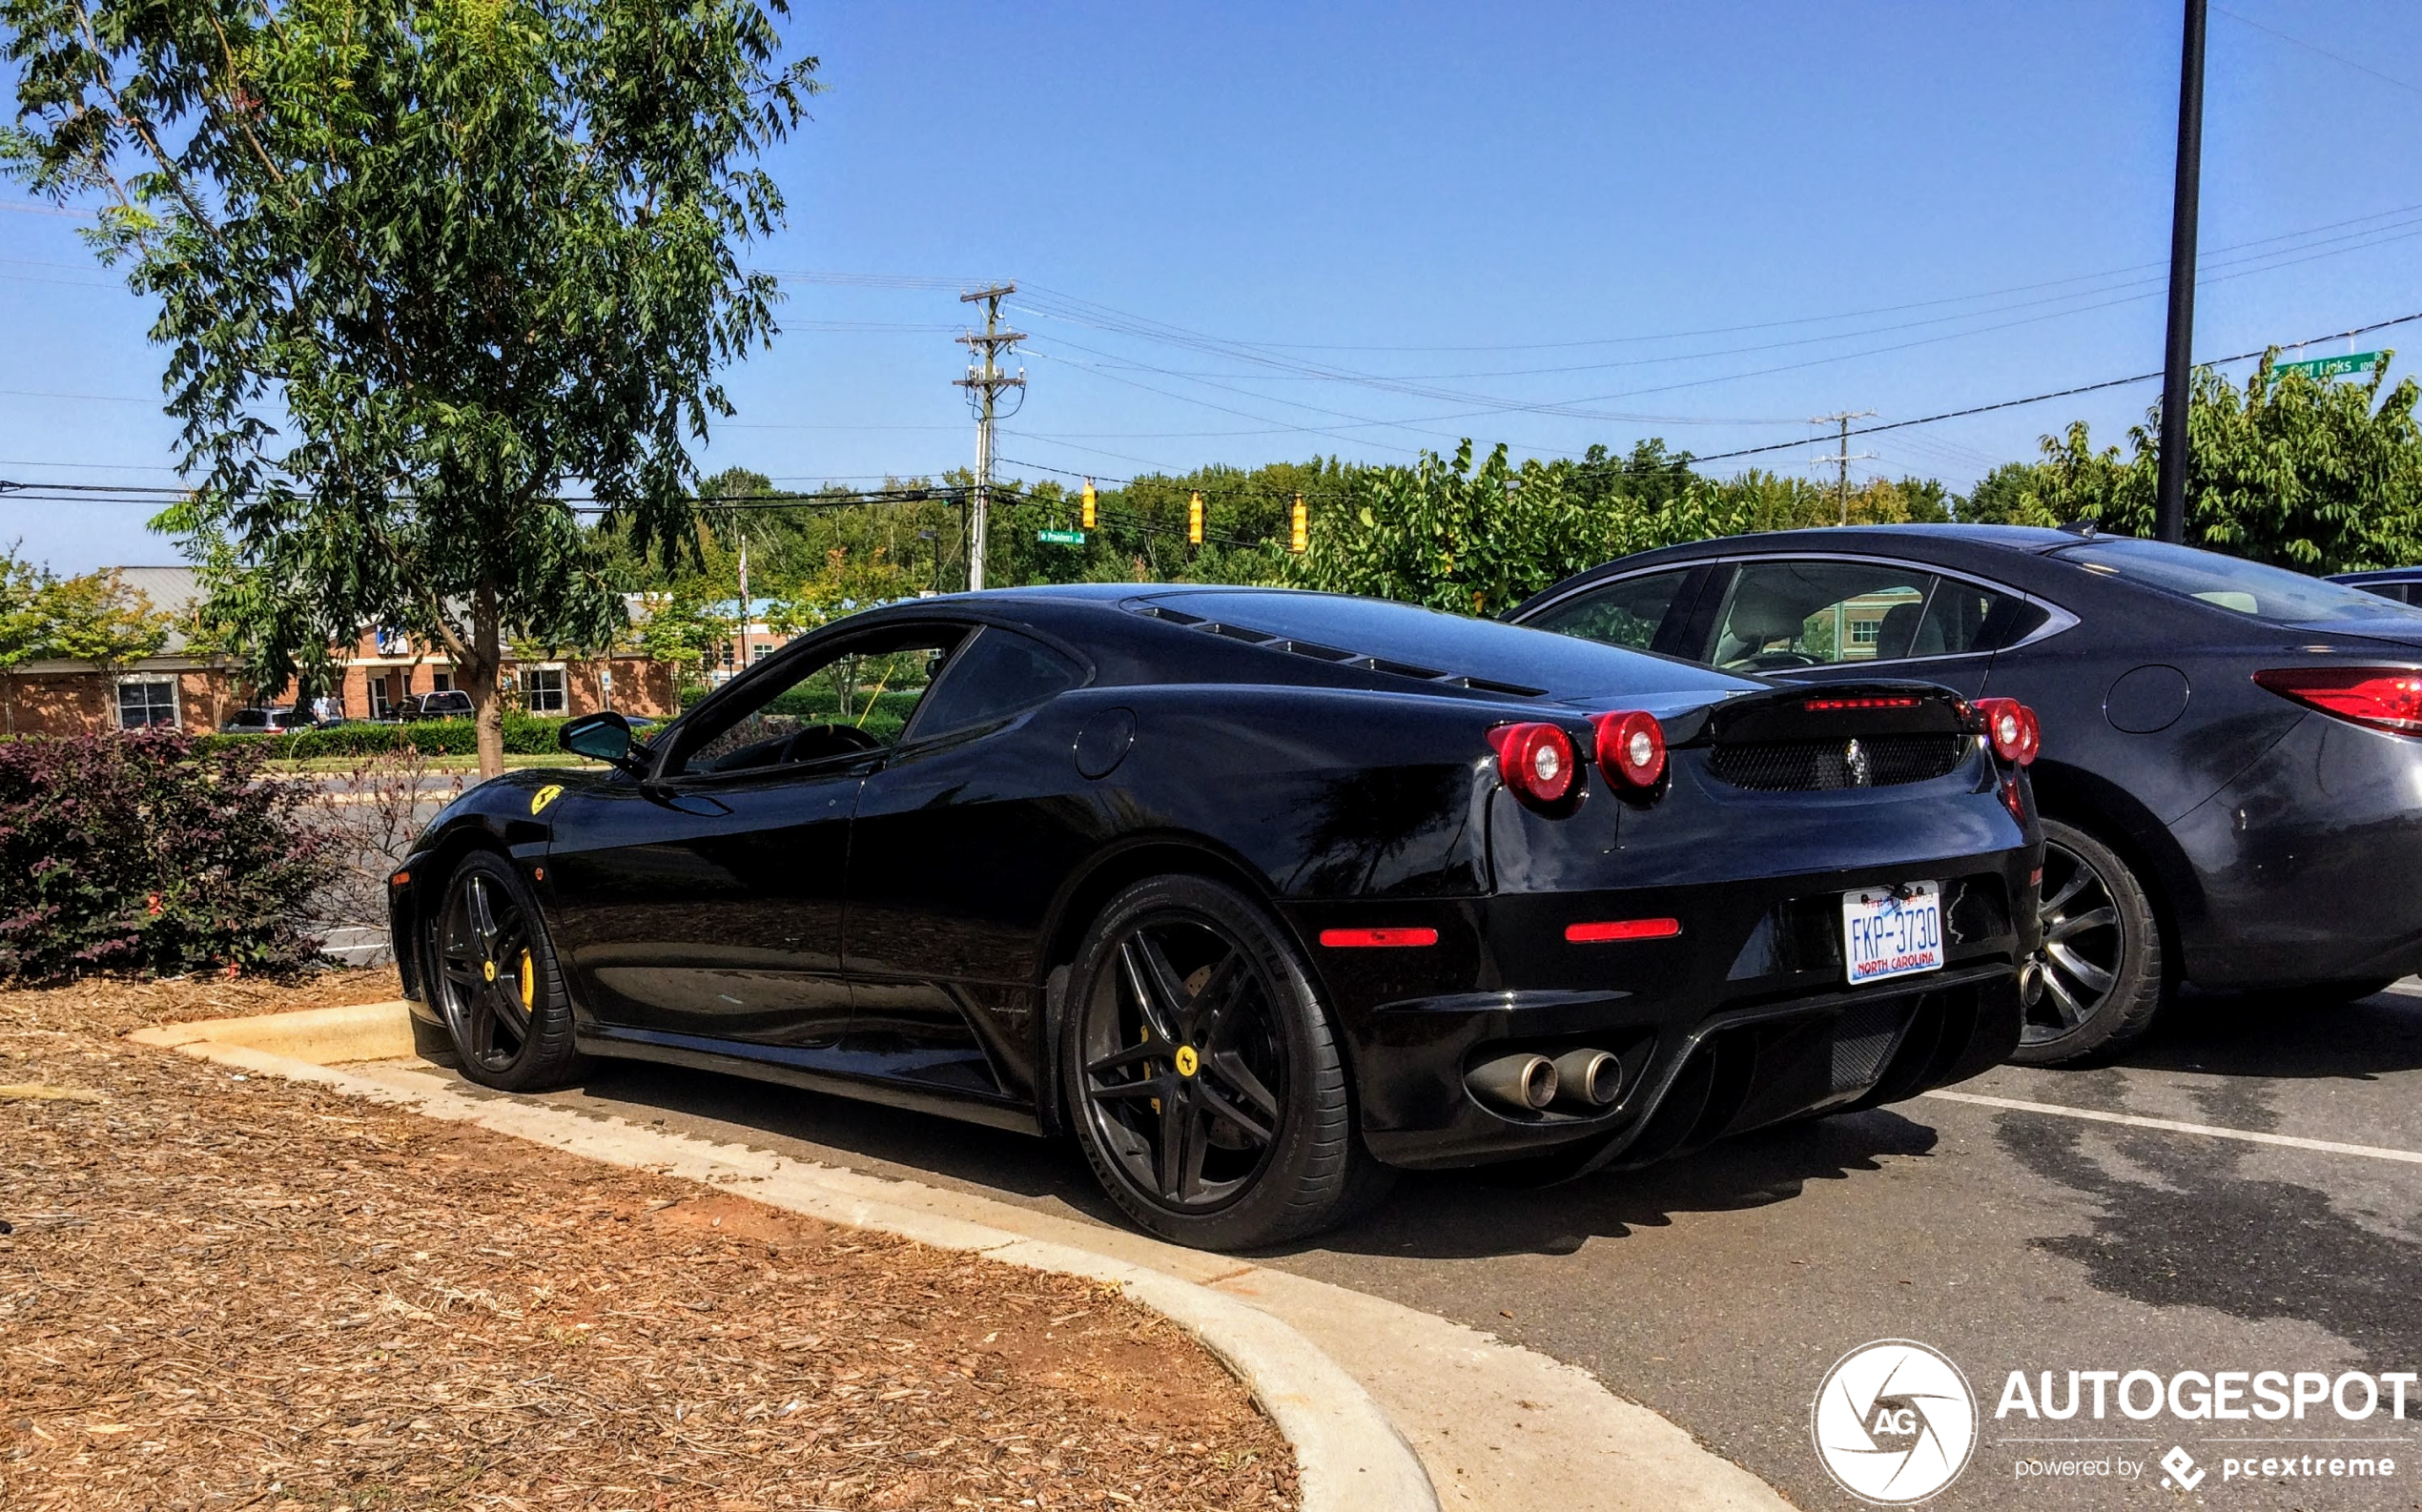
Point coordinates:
pixel 2170 506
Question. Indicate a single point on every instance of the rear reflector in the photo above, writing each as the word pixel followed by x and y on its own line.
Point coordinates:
pixel 1822 706
pixel 2387 698
pixel 1605 929
pixel 400 879
pixel 1364 939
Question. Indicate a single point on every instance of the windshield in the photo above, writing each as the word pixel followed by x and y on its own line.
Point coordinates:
pixel 2227 582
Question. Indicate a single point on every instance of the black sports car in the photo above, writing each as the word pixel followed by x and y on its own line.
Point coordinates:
pixel 2231 784
pixel 1255 892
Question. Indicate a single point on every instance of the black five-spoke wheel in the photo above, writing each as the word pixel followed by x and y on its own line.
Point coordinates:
pixel 1202 1073
pixel 2095 983
pixel 1184 1104
pixel 496 981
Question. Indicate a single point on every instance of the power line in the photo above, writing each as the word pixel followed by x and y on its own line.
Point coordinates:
pixel 2335 57
pixel 2062 393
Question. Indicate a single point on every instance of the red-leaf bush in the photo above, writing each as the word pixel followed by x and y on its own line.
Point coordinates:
pixel 150 853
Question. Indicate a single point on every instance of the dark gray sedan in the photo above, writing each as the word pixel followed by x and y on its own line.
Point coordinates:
pixel 2231 773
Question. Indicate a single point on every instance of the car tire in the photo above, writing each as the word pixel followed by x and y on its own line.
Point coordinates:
pixel 2098 977
pixel 1203 1074
pixel 494 978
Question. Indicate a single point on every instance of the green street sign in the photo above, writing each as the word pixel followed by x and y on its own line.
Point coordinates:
pixel 2322 367
pixel 1060 537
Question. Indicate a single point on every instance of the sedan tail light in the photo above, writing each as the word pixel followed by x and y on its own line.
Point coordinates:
pixel 2016 733
pixel 1632 747
pixel 2387 698
pixel 1538 762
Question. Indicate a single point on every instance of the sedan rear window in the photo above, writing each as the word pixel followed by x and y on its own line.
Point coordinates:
pixel 2227 583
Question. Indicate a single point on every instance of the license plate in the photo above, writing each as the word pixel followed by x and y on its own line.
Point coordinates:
pixel 1892 931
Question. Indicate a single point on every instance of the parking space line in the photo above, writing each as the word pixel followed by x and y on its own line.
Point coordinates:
pixel 2175 1126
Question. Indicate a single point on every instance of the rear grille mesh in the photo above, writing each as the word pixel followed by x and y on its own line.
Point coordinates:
pixel 1810 765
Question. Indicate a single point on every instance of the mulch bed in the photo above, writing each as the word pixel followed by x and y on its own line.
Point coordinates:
pixel 227 1292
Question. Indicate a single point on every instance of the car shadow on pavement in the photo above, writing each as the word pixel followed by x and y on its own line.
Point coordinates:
pixel 1432 1215
pixel 2273 1035
pixel 1464 1215
pixel 866 1135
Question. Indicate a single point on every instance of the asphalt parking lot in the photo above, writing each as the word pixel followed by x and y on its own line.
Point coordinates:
pixel 1720 1289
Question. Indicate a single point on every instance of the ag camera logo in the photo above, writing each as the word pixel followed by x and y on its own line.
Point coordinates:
pixel 1894 1422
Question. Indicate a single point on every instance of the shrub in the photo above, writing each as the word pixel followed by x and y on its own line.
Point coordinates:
pixel 153 854
pixel 524 735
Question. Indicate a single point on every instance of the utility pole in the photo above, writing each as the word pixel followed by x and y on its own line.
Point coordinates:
pixel 2169 500
pixel 983 383
pixel 1842 460
pixel 740 657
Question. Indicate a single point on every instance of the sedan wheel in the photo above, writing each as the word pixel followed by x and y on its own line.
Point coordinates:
pixel 1202 1073
pixel 2094 984
pixel 496 982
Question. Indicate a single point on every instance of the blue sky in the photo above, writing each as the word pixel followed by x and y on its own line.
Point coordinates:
pixel 1246 233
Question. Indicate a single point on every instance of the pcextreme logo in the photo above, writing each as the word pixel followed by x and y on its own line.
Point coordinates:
pixel 1894 1423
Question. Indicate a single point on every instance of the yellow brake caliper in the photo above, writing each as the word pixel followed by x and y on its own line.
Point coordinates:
pixel 530 983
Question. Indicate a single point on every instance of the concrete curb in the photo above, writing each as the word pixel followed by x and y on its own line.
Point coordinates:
pixel 1349 1455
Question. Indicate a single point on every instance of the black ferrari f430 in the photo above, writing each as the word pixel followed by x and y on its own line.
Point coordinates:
pixel 1257 893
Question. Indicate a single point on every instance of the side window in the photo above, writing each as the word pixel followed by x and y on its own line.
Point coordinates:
pixel 1624 613
pixel 1962 617
pixel 845 699
pixel 1782 615
pixel 992 676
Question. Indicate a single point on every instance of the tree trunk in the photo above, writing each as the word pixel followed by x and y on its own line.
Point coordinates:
pixel 480 678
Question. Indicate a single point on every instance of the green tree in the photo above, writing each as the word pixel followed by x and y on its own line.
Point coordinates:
pixel 24 621
pixel 95 618
pixel 417 264
pixel 683 628
pixel 1480 540
pixel 845 584
pixel 2313 474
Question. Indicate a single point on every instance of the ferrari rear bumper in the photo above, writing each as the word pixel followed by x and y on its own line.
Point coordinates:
pixel 1731 1011
pixel 1735 1069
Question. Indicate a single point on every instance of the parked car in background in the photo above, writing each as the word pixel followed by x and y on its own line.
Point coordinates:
pixel 2231 762
pixel 450 704
pixel 1255 892
pixel 2403 585
pixel 268 721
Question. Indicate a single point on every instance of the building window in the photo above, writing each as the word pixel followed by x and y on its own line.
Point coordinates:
pixel 145 702
pixel 382 707
pixel 543 690
pixel 441 681
pixel 760 651
pixel 1865 632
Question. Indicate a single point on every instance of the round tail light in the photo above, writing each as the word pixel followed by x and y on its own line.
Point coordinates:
pixel 1538 762
pixel 1632 747
pixel 2005 727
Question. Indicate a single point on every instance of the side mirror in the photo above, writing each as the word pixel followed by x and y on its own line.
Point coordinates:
pixel 602 737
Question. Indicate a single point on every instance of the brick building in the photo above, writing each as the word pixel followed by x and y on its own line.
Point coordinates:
pixel 198 691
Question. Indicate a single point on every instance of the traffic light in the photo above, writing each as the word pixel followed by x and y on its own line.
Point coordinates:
pixel 1194 520
pixel 1088 520
pixel 1301 540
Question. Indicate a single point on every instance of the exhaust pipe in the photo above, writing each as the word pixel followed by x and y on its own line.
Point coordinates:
pixel 1588 1078
pixel 1523 1083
